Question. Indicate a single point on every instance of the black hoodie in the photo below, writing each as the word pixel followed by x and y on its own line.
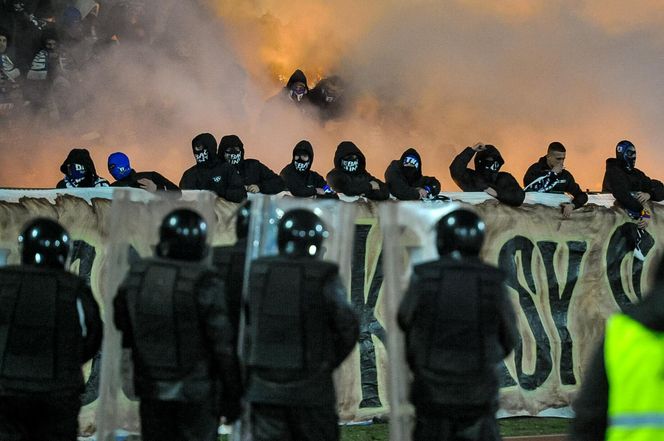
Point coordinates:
pixel 621 182
pixel 303 183
pixel 355 183
pixel 508 189
pixel 542 179
pixel 91 179
pixel 252 171
pixel 404 182
pixel 213 174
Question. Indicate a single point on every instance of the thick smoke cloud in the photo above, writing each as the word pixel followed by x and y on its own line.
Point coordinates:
pixel 436 75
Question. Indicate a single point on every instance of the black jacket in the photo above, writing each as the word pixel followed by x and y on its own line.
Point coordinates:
pixel 592 402
pixel 355 183
pixel 456 336
pixel 326 109
pixel 252 171
pixel 82 157
pixel 132 179
pixel 403 183
pixel 621 183
pixel 508 189
pixel 218 177
pixel 540 178
pixel 303 183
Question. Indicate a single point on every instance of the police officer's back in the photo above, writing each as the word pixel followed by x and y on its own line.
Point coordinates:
pixel 49 327
pixel 172 314
pixel 459 324
pixel 300 328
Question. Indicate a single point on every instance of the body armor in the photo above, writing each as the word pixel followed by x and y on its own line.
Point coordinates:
pixel 41 334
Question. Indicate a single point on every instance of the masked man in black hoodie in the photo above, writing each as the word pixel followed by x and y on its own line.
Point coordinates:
pixel 405 181
pixel 210 173
pixel 80 171
pixel 629 185
pixel 548 176
pixel 487 176
pixel 300 180
pixel 350 177
pixel 256 177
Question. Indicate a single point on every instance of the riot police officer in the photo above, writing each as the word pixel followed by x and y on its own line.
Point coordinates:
pixel 172 314
pixel 459 324
pixel 49 327
pixel 300 328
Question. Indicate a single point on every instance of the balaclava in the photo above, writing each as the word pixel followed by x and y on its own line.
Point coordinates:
pixel 303 147
pixel 232 149
pixel 626 153
pixel 411 167
pixel 297 86
pixel 204 147
pixel 118 165
pixel 350 163
pixel 488 163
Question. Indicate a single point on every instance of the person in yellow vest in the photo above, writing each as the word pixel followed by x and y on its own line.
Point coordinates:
pixel 622 396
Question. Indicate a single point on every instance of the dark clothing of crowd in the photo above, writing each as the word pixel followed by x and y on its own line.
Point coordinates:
pixel 132 179
pixel 80 171
pixel 404 181
pixel 298 177
pixel 540 178
pixel 350 177
pixel 622 183
pixel 507 188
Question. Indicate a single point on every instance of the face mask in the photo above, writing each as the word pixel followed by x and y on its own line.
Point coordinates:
pixel 119 172
pixel 202 156
pixel 76 172
pixel 301 166
pixel 630 158
pixel 350 165
pixel 233 156
pixel 411 162
pixel 298 92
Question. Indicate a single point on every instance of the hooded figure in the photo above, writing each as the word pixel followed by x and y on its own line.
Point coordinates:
pixel 328 97
pixel 300 180
pixel 256 177
pixel 210 173
pixel 487 176
pixel 79 171
pixel 296 88
pixel 350 177
pixel 120 168
pixel 623 180
pixel 405 181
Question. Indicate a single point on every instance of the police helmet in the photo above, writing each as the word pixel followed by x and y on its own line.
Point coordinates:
pixel 182 236
pixel 44 242
pixel 460 234
pixel 300 234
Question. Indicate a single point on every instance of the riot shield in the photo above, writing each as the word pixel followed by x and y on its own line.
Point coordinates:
pixel 409 238
pixel 339 220
pixel 133 232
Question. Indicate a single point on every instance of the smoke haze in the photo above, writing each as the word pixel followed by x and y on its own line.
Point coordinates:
pixel 434 75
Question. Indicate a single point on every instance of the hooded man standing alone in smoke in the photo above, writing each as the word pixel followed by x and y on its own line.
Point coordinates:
pixel 487 176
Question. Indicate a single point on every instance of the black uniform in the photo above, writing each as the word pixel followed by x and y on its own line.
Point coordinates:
pixel 88 178
pixel 403 181
pixel 300 328
pixel 459 324
pixel 508 189
pixel 300 180
pixel 251 171
pixel 621 183
pixel 540 178
pixel 357 182
pixel 173 316
pixel 49 327
pixel 132 179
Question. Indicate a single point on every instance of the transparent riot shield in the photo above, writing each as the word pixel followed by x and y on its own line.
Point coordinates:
pixel 409 238
pixel 339 220
pixel 133 232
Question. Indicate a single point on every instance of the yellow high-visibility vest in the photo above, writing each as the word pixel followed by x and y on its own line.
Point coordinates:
pixel 634 359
